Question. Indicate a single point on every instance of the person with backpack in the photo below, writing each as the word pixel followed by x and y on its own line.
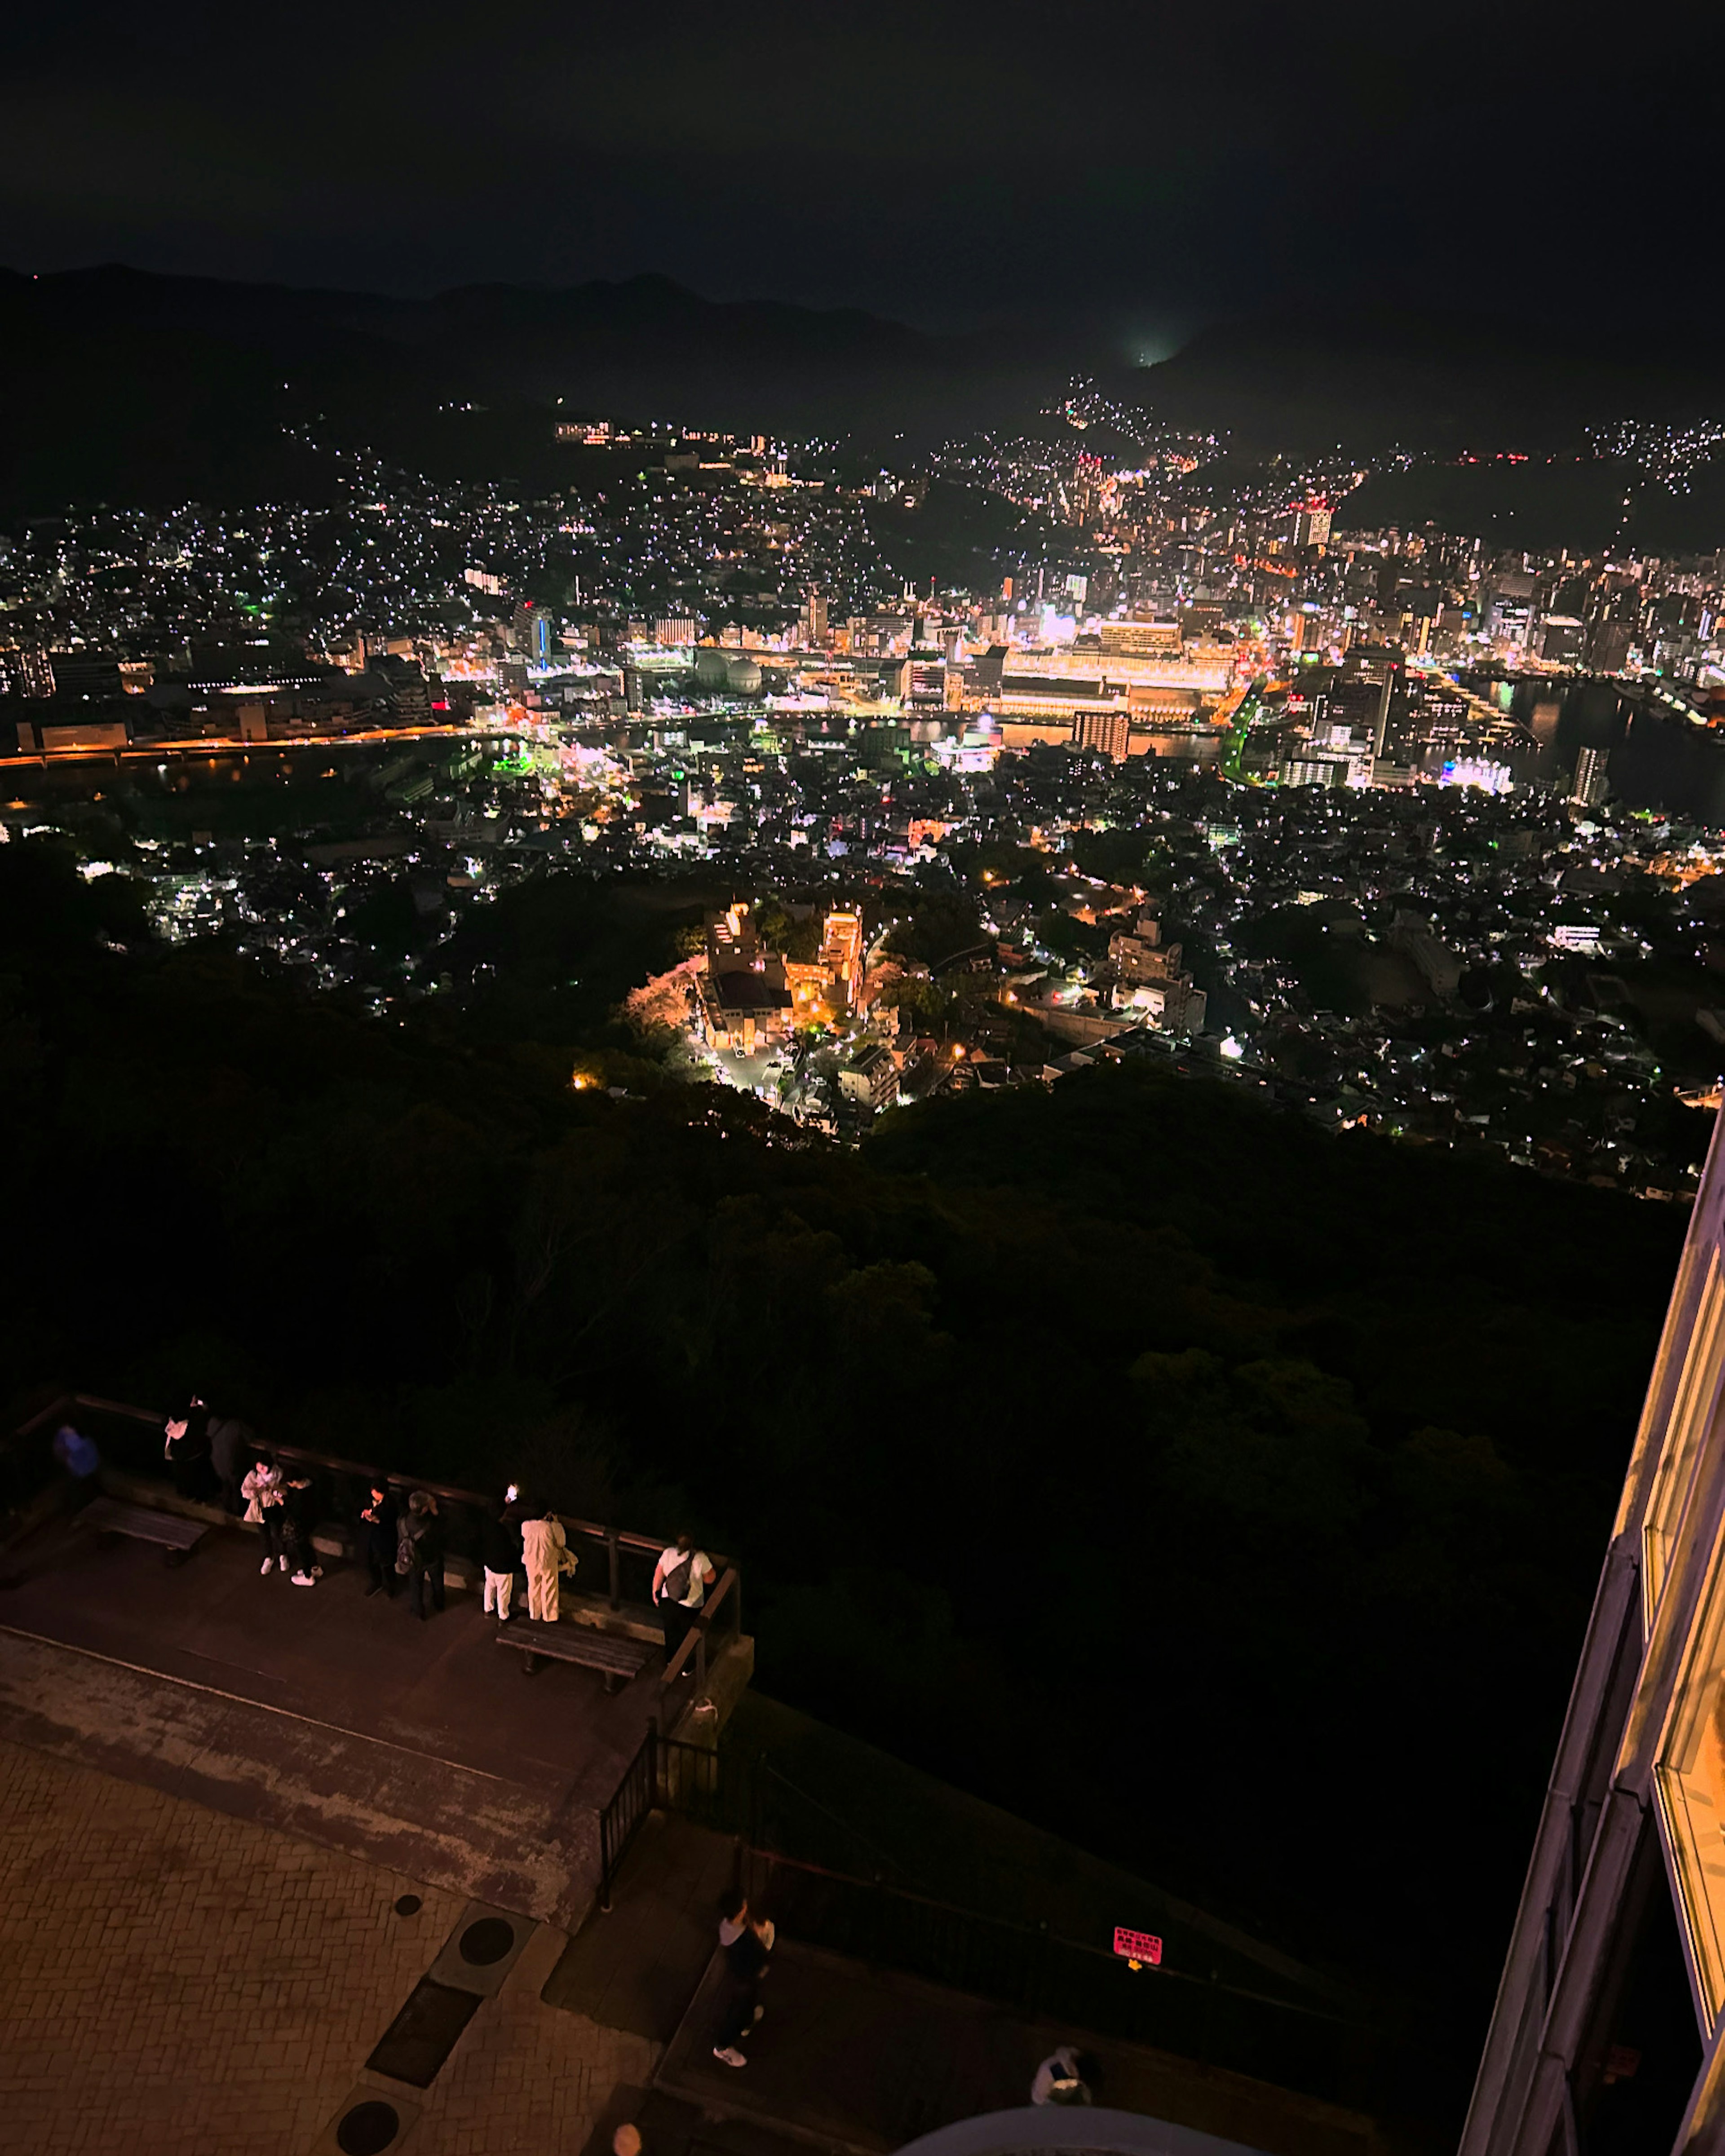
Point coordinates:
pixel 680 1580
pixel 420 1552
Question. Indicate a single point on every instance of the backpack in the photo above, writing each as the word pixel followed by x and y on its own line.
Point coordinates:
pixel 675 1584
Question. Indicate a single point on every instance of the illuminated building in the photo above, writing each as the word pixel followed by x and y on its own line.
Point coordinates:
pixel 25 670
pixel 1588 788
pixel 1151 981
pixel 1311 524
pixel 745 995
pixel 836 982
pixel 841 953
pixel 870 1078
pixel 1140 639
pixel 1610 2027
pixel 1110 731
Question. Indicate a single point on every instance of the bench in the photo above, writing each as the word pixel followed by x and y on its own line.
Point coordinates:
pixel 178 1537
pixel 616 1659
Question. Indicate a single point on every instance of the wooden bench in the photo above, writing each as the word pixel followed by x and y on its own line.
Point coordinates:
pixel 178 1537
pixel 616 1659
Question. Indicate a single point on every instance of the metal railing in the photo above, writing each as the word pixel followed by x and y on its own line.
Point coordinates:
pixel 623 1817
pixel 129 1439
pixel 1031 1967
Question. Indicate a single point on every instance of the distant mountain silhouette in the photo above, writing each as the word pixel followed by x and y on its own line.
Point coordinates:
pixel 123 385
pixel 1370 377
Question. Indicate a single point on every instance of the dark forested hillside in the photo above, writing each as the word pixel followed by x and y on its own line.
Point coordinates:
pixel 1224 1495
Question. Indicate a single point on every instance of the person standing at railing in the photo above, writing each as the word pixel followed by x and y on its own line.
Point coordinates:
pixel 78 1456
pixel 546 1553
pixel 231 1444
pixel 501 1554
pixel 377 1539
pixel 186 1448
pixel 299 1517
pixel 680 1580
pixel 262 1490
pixel 421 1543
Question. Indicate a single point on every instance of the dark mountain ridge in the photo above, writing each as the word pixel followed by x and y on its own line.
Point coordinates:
pixel 129 386
pixel 1374 378
pixel 125 385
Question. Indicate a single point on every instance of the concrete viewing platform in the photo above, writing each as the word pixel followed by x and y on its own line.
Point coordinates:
pixel 250 1828
pixel 337 1716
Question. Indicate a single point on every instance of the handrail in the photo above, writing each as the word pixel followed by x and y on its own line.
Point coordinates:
pixel 1163 1973
pixel 621 1537
pixel 694 1639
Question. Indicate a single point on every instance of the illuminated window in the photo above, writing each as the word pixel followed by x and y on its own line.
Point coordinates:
pixel 1691 1784
pixel 1691 1415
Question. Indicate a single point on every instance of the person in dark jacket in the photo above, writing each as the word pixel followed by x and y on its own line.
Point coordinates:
pixel 745 1940
pixel 501 1554
pixel 300 1505
pixel 377 1539
pixel 232 1450
pixel 421 1536
pixel 186 1448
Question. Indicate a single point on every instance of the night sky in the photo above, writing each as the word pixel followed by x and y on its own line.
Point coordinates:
pixel 1147 166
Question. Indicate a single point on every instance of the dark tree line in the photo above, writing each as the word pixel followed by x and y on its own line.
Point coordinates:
pixel 1224 1494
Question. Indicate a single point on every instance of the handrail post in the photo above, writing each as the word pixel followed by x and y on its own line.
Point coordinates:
pixel 614 1559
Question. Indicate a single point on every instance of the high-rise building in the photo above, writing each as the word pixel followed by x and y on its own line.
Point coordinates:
pixel 1608 2033
pixel 1109 731
pixel 1361 698
pixel 1589 787
pixel 25 670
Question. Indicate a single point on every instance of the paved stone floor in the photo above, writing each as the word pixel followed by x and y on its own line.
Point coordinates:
pixel 172 1978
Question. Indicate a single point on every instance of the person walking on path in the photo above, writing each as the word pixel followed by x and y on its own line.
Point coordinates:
pixel 422 1543
pixel 680 1580
pixel 262 1490
pixel 746 1941
pixel 231 1444
pixel 546 1553
pixel 501 1552
pixel 377 1540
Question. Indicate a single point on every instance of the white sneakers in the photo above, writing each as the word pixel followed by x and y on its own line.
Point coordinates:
pixel 304 1579
pixel 265 1566
pixel 282 1562
pixel 729 2055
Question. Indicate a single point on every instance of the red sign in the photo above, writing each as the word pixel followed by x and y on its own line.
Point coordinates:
pixel 1137 1947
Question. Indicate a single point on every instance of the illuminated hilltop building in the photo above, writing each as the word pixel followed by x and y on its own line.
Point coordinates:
pixel 835 984
pixel 745 995
pixel 1609 2029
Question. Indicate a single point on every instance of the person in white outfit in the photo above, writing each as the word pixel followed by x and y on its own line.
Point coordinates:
pixel 546 1553
pixel 680 1580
